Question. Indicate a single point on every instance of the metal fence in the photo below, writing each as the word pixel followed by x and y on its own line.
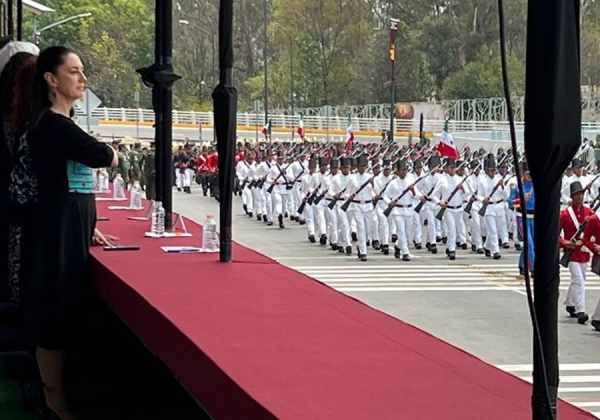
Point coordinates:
pixel 322 123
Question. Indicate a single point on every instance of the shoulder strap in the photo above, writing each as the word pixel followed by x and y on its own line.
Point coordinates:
pixel 573 217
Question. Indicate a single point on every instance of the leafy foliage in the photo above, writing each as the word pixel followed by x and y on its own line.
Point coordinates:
pixel 336 51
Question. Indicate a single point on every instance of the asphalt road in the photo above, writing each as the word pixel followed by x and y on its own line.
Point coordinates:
pixel 180 134
pixel 475 303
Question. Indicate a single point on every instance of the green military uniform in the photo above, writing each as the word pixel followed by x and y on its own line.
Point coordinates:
pixel 148 167
pixel 123 166
pixel 134 160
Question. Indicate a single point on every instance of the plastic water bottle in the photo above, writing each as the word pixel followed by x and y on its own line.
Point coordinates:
pixel 119 188
pixel 158 219
pixel 135 197
pixel 210 238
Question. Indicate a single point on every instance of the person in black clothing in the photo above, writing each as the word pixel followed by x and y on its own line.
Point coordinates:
pixel 63 157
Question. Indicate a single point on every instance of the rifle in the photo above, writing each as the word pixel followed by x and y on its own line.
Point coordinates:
pixel 376 200
pixel 335 200
pixel 564 261
pixel 440 214
pixel 303 204
pixel 281 172
pixel 391 206
pixel 485 205
pixel 419 206
pixel 588 186
pixel 346 205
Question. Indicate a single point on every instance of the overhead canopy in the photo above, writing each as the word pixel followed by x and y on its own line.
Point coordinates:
pixel 35 7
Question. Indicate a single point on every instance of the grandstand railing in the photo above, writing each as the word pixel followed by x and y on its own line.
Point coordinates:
pixel 280 121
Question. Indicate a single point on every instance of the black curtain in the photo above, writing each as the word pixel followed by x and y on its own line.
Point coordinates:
pixel 225 111
pixel 552 137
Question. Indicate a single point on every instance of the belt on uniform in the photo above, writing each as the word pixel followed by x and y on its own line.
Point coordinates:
pixel 453 207
pixel 528 212
pixel 404 206
pixel 497 202
pixel 362 201
pixel 328 199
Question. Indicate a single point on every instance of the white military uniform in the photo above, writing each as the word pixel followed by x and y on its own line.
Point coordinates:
pixel 362 206
pixel 453 215
pixel 494 219
pixel 402 213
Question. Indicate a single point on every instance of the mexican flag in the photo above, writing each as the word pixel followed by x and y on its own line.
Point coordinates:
pixel 301 128
pixel 267 129
pixel 349 133
pixel 446 145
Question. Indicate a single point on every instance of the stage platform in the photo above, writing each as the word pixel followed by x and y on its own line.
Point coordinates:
pixel 253 339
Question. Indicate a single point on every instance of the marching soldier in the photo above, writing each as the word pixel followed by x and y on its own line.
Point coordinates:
pixel 339 189
pixel 360 190
pixel 400 195
pixel 493 195
pixel 134 159
pixel 382 183
pixel 427 214
pixel 448 194
pixel 570 220
pixel 305 192
pixel 148 167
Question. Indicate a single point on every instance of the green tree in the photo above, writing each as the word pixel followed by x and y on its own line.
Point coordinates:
pixel 482 78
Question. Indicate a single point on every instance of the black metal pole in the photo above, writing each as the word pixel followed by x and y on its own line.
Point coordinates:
pixel 225 109
pixel 266 67
pixel 167 108
pixel 392 57
pixel 157 102
pixel 10 17
pixel 19 20
pixel 292 83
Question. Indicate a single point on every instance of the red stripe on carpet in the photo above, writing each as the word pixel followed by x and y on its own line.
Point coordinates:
pixel 258 341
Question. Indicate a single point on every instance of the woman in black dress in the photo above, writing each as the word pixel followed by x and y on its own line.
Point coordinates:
pixel 63 158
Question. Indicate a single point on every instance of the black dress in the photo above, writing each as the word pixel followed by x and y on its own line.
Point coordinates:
pixel 66 217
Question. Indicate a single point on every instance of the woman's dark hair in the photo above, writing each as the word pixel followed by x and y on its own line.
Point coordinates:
pixel 7 81
pixel 48 61
pixel 21 105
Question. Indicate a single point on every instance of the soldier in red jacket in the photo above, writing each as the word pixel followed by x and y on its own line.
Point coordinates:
pixel 591 239
pixel 570 220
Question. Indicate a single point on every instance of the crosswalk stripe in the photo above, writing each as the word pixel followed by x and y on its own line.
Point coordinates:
pixel 571 376
pixel 397 278
pixel 579 379
pixel 567 367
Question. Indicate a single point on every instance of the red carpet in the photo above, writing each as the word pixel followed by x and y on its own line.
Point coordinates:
pixel 255 340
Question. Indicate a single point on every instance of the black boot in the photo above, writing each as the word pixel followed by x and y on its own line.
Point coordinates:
pixel 323 239
pixel 394 238
pixel 385 249
pixel 259 217
pixel 582 318
pixel 433 249
pixel 354 237
pixel 596 324
pixel 264 217
pixel 376 245
pixel 396 252
pixel 418 245
pixel 349 250
pixel 245 207
pixel 280 218
pixel 312 239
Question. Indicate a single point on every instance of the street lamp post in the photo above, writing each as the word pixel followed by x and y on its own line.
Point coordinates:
pixel 213 39
pixel 266 104
pixel 291 73
pixel 38 32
